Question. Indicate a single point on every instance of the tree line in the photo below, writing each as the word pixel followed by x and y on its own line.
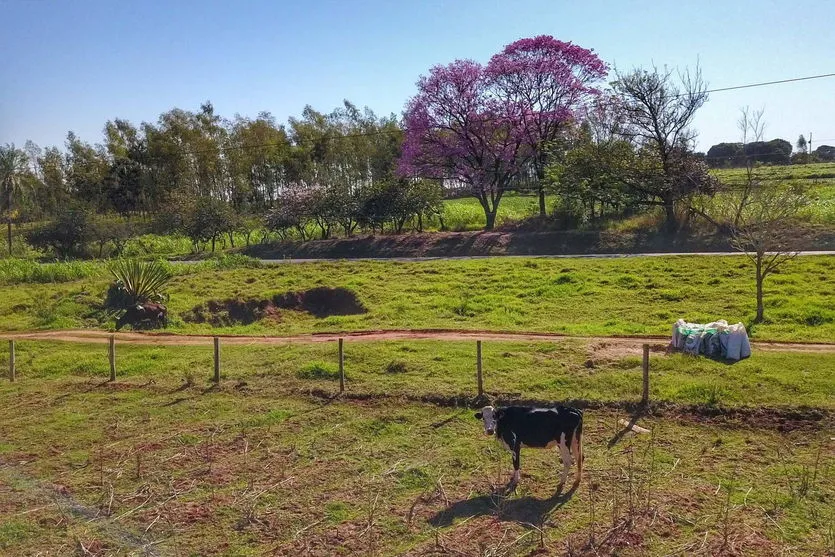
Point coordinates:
pixel 539 116
pixel 775 152
pixel 205 176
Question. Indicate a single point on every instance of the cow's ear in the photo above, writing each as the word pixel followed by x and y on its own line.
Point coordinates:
pixel 478 415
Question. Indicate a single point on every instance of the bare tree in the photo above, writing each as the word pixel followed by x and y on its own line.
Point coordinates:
pixel 762 218
pixel 766 230
pixel 752 127
pixel 659 111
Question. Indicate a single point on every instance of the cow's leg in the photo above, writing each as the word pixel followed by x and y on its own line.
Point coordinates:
pixel 517 449
pixel 565 455
pixel 577 449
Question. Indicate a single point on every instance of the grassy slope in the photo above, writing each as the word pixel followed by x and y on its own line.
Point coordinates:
pixel 246 471
pixel 575 296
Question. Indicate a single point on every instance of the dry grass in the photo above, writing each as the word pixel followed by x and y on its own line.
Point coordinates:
pixel 160 466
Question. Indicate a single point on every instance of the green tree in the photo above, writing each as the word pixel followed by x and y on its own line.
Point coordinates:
pixel 13 168
pixel 67 234
pixel 87 168
pixel 208 220
pixel 658 113
pixel 802 145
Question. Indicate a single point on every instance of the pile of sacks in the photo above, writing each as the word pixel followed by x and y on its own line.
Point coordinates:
pixel 717 339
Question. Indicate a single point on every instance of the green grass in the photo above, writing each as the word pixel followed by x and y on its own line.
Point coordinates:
pixel 467 214
pixel 247 470
pixel 572 296
pixel 14 271
pixel 819 178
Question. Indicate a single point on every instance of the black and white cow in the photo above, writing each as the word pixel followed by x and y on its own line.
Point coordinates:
pixel 542 428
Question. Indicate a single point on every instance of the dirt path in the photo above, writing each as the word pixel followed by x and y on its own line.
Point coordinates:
pixel 418 258
pixel 619 344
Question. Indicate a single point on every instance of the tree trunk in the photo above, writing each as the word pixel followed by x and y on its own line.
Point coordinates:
pixel 671 219
pixel 491 219
pixel 9 221
pixel 213 244
pixel 539 166
pixel 760 278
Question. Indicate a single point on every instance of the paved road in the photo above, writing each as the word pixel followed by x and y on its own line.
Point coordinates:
pixel 570 256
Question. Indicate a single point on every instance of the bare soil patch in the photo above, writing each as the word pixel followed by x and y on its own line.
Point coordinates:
pixel 322 301
pixel 530 239
pixel 221 313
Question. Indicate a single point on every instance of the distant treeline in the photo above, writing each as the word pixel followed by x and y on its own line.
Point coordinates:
pixel 776 151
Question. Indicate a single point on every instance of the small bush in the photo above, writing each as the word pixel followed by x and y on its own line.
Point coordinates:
pixel 626 281
pixel 710 394
pixel 565 278
pixel 817 317
pixel 139 281
pixel 396 366
pixel 318 370
pixel 463 308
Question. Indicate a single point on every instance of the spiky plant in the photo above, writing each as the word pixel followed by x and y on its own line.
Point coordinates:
pixel 136 282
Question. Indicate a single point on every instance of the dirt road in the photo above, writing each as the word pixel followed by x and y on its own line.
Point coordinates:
pixel 399 259
pixel 624 344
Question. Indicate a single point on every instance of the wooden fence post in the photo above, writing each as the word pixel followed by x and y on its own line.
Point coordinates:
pixel 478 368
pixel 112 357
pixel 645 394
pixel 341 367
pixel 11 361
pixel 217 360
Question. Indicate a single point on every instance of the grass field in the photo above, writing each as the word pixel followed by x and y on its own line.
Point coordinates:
pixel 158 462
pixel 573 296
pixel 819 178
pixel 466 213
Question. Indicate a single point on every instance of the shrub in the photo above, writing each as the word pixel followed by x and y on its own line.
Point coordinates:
pixel 318 370
pixel 66 236
pixel 136 282
pixel 397 366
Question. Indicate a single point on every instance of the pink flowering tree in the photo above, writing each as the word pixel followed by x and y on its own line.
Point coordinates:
pixel 484 126
pixel 546 81
pixel 458 129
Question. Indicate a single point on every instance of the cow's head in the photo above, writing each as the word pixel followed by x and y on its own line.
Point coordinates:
pixel 488 416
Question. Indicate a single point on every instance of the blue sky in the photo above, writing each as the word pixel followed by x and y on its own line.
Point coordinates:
pixel 72 65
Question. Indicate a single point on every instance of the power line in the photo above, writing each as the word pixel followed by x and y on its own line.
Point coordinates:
pixel 764 83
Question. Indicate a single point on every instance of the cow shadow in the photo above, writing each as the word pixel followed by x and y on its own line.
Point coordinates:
pixel 527 511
